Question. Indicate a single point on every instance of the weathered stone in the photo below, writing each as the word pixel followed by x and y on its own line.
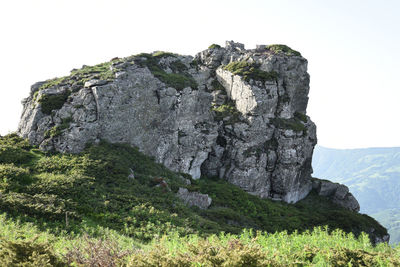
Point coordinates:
pixel 247 132
pixel 95 82
pixel 337 193
pixel 203 201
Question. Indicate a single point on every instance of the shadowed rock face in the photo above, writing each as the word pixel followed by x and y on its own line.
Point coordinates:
pixel 229 112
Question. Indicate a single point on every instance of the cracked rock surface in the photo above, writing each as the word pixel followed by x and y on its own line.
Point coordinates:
pixel 201 115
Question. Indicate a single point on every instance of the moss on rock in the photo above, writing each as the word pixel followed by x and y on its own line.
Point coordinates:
pixel 250 71
pixel 280 48
pixel 53 102
pixel 179 79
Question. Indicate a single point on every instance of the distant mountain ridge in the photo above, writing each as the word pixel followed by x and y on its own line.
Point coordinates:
pixel 373 176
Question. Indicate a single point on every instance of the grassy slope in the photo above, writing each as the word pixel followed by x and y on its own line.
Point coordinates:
pixel 63 197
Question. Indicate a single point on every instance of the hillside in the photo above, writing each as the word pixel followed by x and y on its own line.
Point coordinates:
pixel 168 160
pixel 373 176
pixel 59 195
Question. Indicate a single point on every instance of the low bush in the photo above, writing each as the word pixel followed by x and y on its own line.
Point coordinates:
pixel 90 192
pixel 300 116
pixel 13 154
pixel 319 248
pixel 216 85
pixel 294 124
pixel 96 252
pixel 13 177
pixel 23 252
pixel 250 71
pixel 214 46
pixel 179 79
pixel 50 102
pixel 102 71
pixel 227 110
pixel 280 48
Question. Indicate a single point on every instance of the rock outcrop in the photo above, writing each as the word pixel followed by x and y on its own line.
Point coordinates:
pixel 229 112
pixel 337 193
pixel 203 201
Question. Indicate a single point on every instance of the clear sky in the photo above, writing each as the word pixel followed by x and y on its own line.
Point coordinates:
pixel 352 46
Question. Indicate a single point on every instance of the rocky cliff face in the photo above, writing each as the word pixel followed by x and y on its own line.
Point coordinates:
pixel 229 112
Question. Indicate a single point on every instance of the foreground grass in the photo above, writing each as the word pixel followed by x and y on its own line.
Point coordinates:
pixel 317 248
pixel 24 243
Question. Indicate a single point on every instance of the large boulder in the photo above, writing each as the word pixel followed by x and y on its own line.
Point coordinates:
pixel 337 193
pixel 203 201
pixel 229 112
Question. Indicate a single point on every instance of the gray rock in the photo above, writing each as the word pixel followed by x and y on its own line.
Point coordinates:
pixel 337 193
pixel 203 201
pixel 246 132
pixel 95 82
pixel 383 239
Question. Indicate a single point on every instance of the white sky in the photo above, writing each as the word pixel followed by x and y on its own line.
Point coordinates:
pixel 352 46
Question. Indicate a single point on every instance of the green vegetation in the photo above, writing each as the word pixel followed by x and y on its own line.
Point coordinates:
pixel 227 110
pixel 74 81
pixel 296 124
pixel 216 85
pixel 319 248
pixel 300 116
pixel 280 48
pixel 214 46
pixel 250 71
pixel 53 102
pixel 179 79
pixel 13 154
pixel 83 208
pixel 103 71
pixel 22 252
pixel 56 130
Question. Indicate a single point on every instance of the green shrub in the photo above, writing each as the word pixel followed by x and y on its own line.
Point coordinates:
pixel 216 85
pixel 280 48
pixel 14 154
pixel 93 189
pixel 214 46
pixel 227 110
pixel 12 177
pixel 51 83
pixel 294 124
pixel 178 66
pixel 102 71
pixel 179 80
pixel 28 253
pixel 145 222
pixel 316 248
pixel 161 54
pixel 53 102
pixel 57 130
pixel 15 141
pixel 300 116
pixel 250 71
pixel 38 206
